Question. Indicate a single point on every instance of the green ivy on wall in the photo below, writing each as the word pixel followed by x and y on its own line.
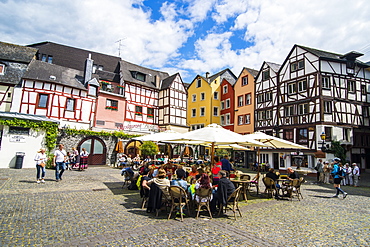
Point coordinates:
pixel 118 134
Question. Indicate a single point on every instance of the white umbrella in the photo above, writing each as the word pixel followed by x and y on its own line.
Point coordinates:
pixel 214 134
pixel 273 141
pixel 161 136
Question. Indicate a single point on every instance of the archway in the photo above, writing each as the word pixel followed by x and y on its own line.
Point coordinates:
pixel 96 148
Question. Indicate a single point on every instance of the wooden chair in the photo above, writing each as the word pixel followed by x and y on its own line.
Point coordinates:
pixel 203 199
pixel 255 182
pixel 270 186
pixel 179 198
pixel 232 203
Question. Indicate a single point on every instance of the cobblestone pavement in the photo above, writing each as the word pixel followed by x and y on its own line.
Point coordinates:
pixel 90 208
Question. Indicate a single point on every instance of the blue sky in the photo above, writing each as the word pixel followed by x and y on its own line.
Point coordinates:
pixel 191 36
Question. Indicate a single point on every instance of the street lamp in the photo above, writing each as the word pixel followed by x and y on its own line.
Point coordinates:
pixel 323 137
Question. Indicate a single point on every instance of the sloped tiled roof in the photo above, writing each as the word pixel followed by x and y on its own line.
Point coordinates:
pixel 253 72
pixel 16 53
pixel 274 66
pixel 72 57
pixel 166 83
pixel 43 71
pixel 127 68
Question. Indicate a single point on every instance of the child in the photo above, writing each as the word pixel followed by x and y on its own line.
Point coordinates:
pixel 191 188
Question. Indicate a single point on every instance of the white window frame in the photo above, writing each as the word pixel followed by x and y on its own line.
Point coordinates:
pixel 70 104
pixel 244 80
pixel 215 111
pixel 297 65
pixel 328 107
pixel 215 95
pixel 199 83
pixel 202 112
pixel 292 88
pixel 303 109
pixel 194 98
pixel 227 118
pixel 325 82
pixel 222 120
pixel 193 112
pixel 247 119
pixel 268 114
pixel 289 111
pixel 302 85
pixel 351 86
pixel 222 105
pixel 227 103
pixel 224 89
pixel 202 96
pixel 268 96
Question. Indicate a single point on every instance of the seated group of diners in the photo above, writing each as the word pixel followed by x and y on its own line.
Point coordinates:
pixel 285 182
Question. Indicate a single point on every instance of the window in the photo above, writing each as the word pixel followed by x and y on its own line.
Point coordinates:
pixel 227 103
pixel 240 101
pixel 289 135
pixel 100 122
pixel 302 109
pixel 248 99
pixel 227 119
pixel 113 105
pixel 363 90
pixel 268 96
pixel 346 134
pixel 261 115
pixel 240 120
pixel 222 120
pixel 328 134
pixel 43 57
pixel 260 98
pixel 194 97
pixel 215 95
pixel 289 111
pixel 351 86
pixel 197 126
pixel 70 104
pixel 50 59
pixel 92 90
pixel 193 112
pixel 245 80
pixel 202 96
pixel 302 136
pixel 248 119
pixel 222 105
pixel 43 101
pixel 150 112
pixel 135 74
pixel 199 83
pixel 215 111
pixel 2 69
pixel 268 114
pixel 297 65
pixel 292 88
pixel 18 130
pixel 302 86
pixel 224 89
pixel 365 111
pixel 327 107
pixel 266 75
pixel 202 111
pixel 138 110
pixel 325 82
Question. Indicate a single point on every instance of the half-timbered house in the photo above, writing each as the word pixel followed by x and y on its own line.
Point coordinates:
pixel 59 93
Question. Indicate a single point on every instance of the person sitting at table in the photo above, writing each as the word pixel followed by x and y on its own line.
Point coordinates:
pixel 226 165
pixel 204 182
pixel 193 172
pixel 215 169
pixel 271 174
pixel 291 175
pixel 200 172
pixel 180 173
pixel 161 181
pixel 224 189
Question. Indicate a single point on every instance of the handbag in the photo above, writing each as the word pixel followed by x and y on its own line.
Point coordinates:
pixel 42 164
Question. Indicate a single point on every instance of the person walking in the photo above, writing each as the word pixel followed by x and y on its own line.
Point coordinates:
pixel 326 170
pixel 356 174
pixel 59 162
pixel 337 175
pixel 40 159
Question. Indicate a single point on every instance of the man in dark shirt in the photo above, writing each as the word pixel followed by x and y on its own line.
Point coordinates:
pixel 271 174
pixel 224 189
pixel 226 165
pixel 292 174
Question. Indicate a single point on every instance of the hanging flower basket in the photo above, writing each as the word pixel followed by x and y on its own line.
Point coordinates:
pixel 114 108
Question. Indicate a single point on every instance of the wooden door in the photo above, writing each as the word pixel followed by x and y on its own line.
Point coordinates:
pixel 96 149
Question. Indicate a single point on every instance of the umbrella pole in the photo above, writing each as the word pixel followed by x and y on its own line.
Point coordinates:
pixel 212 154
pixel 258 160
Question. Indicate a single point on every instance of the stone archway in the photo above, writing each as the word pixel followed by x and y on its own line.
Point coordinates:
pixel 96 148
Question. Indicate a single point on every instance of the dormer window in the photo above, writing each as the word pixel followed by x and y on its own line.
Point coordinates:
pixel 138 75
pixel 297 65
pixel 2 69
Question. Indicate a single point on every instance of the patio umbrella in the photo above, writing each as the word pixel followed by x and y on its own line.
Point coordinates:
pixel 119 147
pixel 157 137
pixel 273 141
pixel 214 134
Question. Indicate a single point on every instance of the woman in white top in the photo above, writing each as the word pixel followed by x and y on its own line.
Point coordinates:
pixel 40 158
pixel 83 159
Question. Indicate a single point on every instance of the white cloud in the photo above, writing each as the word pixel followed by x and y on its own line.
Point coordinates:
pixel 198 9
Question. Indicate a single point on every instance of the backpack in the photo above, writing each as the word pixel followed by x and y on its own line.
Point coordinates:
pixel 342 172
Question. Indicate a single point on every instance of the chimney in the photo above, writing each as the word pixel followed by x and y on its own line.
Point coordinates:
pixel 88 69
pixel 207 74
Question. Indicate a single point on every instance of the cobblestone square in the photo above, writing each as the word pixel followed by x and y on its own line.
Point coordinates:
pixel 90 208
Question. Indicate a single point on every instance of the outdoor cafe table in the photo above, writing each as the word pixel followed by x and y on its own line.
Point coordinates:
pixel 244 184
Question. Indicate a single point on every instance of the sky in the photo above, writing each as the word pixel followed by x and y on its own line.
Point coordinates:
pixel 191 37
